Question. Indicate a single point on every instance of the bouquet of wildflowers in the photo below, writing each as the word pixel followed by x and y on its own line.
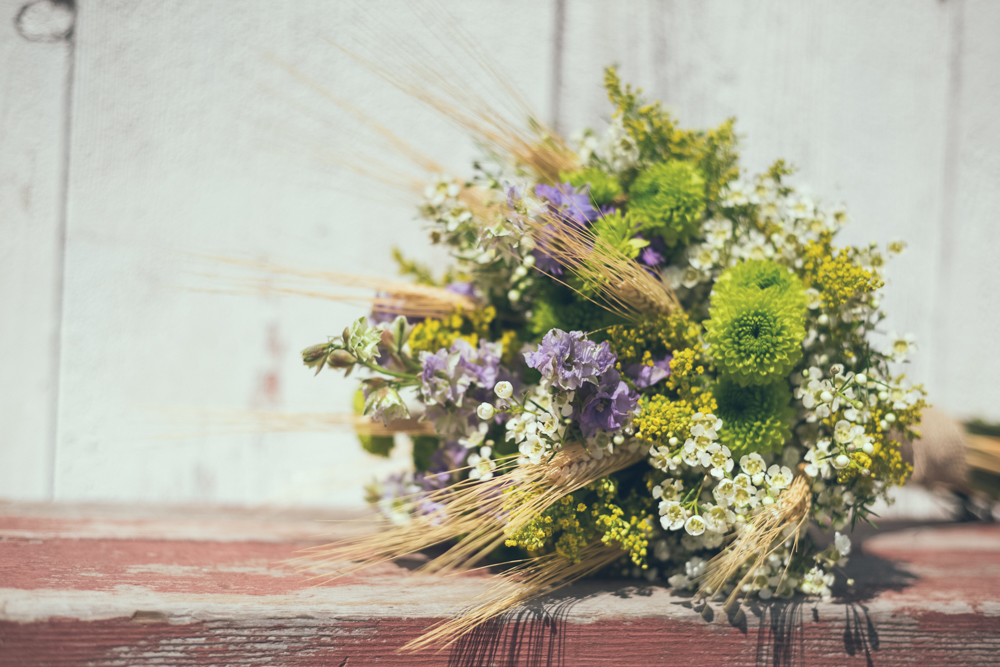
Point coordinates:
pixel 644 361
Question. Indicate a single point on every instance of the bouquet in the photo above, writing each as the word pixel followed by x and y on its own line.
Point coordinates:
pixel 644 362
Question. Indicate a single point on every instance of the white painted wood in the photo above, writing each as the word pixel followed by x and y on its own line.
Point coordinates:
pixel 33 76
pixel 185 140
pixel 857 95
pixel 967 299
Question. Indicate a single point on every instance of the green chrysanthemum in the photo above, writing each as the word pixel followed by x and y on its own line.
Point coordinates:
pixel 766 276
pixel 668 199
pixel 754 418
pixel 604 188
pixel 755 335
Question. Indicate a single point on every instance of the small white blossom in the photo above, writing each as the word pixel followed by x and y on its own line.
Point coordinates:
pixel 753 465
pixel 504 389
pixel 482 466
pixel 672 515
pixel 842 544
pixel 485 411
pixel 695 525
pixel 779 478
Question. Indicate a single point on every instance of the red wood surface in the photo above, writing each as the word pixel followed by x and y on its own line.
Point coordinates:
pixel 92 586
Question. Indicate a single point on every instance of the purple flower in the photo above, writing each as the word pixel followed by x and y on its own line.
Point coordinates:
pixel 448 374
pixel 607 405
pixel 652 255
pixel 463 288
pixel 571 203
pixel 546 263
pixel 646 376
pixel 567 360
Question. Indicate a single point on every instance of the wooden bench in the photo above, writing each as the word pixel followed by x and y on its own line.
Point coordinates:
pixel 109 586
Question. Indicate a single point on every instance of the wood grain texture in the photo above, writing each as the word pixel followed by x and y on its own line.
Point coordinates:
pixel 925 596
pixel 33 79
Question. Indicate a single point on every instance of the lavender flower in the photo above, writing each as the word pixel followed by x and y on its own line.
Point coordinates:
pixel 569 202
pixel 607 405
pixel 567 360
pixel 643 376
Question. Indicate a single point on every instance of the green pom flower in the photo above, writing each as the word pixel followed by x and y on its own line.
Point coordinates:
pixel 604 188
pixel 754 418
pixel 755 337
pixel 763 275
pixel 668 199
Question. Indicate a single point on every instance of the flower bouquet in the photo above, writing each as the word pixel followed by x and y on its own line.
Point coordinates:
pixel 644 362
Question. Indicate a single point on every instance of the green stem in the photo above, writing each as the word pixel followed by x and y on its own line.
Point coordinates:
pixel 385 371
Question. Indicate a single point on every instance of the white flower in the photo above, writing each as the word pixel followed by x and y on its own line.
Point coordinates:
pixel 475 438
pixel 690 453
pixel 695 525
pixel 842 544
pixel 519 427
pixel 813 298
pixel 672 515
pixel 719 518
pixel 660 459
pixel 532 448
pixel 504 389
pixel 818 457
pixel 779 478
pixel 753 465
pixel 724 491
pixel 482 466
pixel 901 347
pixel 669 491
pixel 718 457
pixel 485 411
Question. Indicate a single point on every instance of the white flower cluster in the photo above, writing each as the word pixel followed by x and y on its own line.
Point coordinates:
pixel 798 219
pixel 616 149
pixel 735 497
pixel 538 430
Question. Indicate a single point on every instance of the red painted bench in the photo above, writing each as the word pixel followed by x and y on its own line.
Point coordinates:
pixel 103 586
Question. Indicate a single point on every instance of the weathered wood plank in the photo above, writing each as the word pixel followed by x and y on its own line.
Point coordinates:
pixel 924 596
pixel 33 78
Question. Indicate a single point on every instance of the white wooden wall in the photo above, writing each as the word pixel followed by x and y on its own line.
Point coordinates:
pixel 162 127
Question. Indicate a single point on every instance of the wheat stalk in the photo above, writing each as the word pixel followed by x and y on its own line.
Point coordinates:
pixel 624 287
pixel 481 513
pixel 763 535
pixel 392 297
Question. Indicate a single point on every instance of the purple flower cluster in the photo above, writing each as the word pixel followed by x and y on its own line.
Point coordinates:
pixel 567 360
pixel 568 202
pixel 606 405
pixel 571 362
pixel 449 373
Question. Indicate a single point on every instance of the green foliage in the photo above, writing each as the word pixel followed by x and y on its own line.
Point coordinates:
pixel 424 447
pixel 604 188
pixel 421 274
pixel 658 138
pixel 618 231
pixel 379 445
pixel 559 307
pixel 754 418
pixel 668 199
